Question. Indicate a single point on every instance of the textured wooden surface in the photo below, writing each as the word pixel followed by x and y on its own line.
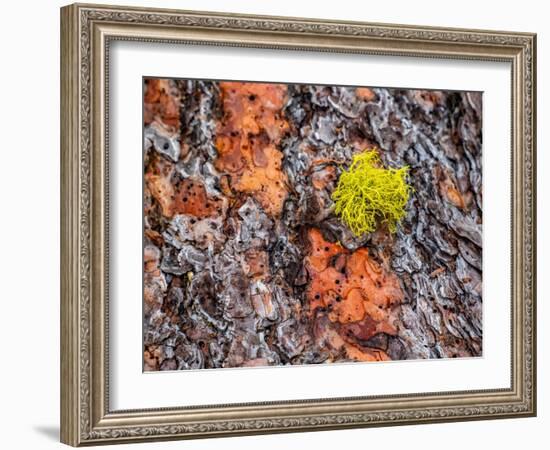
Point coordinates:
pixel 246 263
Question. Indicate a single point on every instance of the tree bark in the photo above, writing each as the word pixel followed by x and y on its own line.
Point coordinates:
pixel 245 262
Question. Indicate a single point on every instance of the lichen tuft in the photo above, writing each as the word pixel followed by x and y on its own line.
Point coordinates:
pixel 368 194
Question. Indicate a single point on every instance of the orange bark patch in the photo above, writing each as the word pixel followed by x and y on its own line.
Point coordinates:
pixel 256 263
pixel 151 260
pixel 365 94
pixel 437 272
pixel 158 175
pixel 163 191
pixel 355 291
pixel 320 179
pixel 333 340
pixel 161 102
pixel 366 355
pixel 189 196
pixel 349 310
pixel 247 140
pixel 452 194
pixel 154 236
pixel 449 190
pixel 427 99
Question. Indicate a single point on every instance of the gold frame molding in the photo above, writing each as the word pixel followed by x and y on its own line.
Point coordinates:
pixel 86 31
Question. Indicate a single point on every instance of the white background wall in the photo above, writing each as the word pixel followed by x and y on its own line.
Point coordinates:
pixel 29 224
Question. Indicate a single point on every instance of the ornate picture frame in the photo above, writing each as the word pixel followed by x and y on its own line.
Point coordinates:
pixel 87 32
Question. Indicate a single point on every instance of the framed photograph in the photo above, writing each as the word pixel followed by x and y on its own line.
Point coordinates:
pixel 276 224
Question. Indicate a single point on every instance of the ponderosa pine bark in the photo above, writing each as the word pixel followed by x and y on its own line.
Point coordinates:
pixel 245 262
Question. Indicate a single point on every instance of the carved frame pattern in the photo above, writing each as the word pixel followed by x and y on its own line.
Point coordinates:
pixel 86 33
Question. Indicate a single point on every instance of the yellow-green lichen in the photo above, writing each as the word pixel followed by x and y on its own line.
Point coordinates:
pixel 368 194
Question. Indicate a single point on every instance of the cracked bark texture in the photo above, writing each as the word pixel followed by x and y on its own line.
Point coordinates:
pixel 245 263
